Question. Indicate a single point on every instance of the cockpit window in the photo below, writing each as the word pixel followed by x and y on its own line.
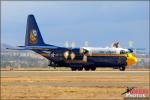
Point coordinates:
pixel 123 52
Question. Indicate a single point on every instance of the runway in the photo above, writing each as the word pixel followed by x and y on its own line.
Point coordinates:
pixel 81 78
pixel 72 73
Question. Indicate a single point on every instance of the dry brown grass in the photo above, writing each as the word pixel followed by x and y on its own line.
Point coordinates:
pixel 45 92
pixel 48 92
pixel 14 87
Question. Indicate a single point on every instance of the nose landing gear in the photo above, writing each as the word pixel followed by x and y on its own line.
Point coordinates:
pixel 122 68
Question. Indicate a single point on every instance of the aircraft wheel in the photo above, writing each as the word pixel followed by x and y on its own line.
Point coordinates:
pixel 87 68
pixel 80 68
pixel 122 68
pixel 73 68
pixel 93 68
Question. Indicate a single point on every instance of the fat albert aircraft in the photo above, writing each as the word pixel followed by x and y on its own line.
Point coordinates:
pixel 88 58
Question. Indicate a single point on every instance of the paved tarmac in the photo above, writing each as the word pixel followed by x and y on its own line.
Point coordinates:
pixel 73 73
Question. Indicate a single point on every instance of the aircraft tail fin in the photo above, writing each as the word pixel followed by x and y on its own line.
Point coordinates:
pixel 33 36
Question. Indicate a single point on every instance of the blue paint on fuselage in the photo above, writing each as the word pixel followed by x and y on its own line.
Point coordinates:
pixel 98 61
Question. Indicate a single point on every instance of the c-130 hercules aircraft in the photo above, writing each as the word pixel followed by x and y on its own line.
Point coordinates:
pixel 88 58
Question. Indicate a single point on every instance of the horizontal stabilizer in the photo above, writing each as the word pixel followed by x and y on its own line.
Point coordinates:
pixel 17 49
pixel 41 47
pixel 33 48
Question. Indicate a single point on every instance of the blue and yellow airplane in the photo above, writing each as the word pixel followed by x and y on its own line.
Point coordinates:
pixel 88 58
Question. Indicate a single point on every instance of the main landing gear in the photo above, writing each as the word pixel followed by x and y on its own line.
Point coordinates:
pixel 90 68
pixel 81 68
pixel 76 68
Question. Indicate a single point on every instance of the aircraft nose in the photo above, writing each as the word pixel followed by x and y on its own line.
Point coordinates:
pixel 135 60
pixel 131 60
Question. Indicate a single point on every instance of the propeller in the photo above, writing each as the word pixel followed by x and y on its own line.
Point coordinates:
pixel 140 53
pixel 135 50
pixel 66 54
pixel 115 45
pixel 66 44
pixel 130 43
pixel 70 54
pixel 84 52
pixel 131 50
pixel 86 43
pixel 73 44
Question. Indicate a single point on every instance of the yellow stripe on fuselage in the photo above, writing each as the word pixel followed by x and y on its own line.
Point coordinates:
pixel 44 54
pixel 107 55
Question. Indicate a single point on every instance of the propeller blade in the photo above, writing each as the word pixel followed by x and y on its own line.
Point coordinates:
pixel 130 43
pixel 66 44
pixel 66 54
pixel 81 50
pixel 86 43
pixel 85 58
pixel 72 55
pixel 73 44
pixel 115 45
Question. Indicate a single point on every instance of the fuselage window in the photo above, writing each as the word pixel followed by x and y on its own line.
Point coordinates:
pixel 103 52
pixel 98 52
pixel 113 52
pixel 108 52
pixel 94 52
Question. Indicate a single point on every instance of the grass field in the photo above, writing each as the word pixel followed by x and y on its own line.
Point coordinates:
pixel 69 85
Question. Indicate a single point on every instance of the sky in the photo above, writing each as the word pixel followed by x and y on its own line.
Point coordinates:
pixel 98 22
